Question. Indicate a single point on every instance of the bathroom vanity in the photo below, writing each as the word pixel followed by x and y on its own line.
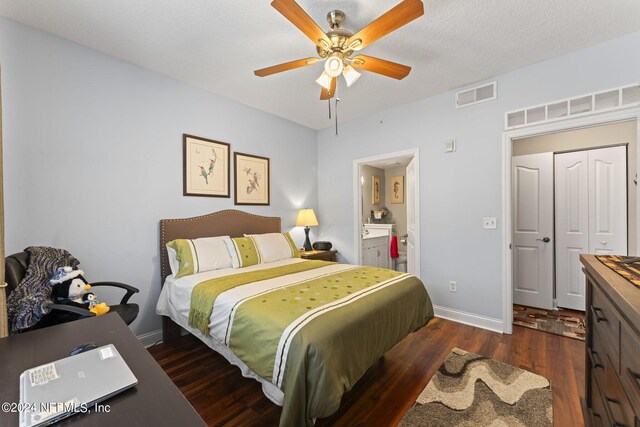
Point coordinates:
pixel 376 239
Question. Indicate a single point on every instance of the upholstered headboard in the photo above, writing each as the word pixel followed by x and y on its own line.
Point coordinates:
pixel 229 222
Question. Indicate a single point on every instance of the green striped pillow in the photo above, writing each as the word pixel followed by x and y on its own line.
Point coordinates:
pixel 295 252
pixel 243 252
pixel 198 255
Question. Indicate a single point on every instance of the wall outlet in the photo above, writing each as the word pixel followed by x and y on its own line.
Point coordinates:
pixel 489 223
pixel 453 287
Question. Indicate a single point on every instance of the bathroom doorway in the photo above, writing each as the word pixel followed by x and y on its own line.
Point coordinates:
pixel 386 221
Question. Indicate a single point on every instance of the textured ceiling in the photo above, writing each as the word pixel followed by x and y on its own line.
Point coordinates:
pixel 216 44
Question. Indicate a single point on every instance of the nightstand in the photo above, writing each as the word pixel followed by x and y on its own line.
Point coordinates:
pixel 321 255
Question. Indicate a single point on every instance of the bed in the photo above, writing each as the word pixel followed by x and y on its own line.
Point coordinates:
pixel 306 330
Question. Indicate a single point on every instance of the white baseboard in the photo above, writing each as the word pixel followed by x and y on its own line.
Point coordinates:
pixel 477 320
pixel 150 338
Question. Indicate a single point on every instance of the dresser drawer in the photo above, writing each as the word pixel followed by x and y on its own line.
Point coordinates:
pixel 596 357
pixel 630 365
pixel 599 415
pixel 605 326
pixel 615 400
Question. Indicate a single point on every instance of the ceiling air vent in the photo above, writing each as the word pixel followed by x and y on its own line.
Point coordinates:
pixel 477 94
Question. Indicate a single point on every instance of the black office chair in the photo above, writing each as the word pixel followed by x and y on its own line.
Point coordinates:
pixel 15 270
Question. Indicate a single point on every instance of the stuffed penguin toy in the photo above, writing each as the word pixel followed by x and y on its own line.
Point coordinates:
pixel 69 287
pixel 94 305
pixel 90 297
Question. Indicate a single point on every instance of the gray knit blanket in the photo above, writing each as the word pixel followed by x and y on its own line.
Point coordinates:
pixel 30 300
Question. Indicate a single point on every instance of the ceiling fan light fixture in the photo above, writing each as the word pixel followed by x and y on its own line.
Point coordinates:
pixel 350 75
pixel 324 80
pixel 334 64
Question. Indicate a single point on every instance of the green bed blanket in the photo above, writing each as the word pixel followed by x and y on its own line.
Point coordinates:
pixel 311 328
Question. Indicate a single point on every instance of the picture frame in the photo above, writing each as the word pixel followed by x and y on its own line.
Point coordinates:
pixel 396 189
pixel 252 179
pixel 206 167
pixel 375 190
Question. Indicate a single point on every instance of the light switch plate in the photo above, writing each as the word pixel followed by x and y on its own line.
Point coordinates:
pixel 450 146
pixel 489 223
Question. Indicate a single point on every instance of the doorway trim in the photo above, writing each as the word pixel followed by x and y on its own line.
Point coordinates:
pixel 628 114
pixel 357 200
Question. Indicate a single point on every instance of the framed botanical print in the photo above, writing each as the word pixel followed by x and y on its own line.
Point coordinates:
pixel 375 190
pixel 252 179
pixel 206 167
pixel 396 188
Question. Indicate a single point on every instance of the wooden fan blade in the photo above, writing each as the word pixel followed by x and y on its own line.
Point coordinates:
pixel 298 17
pixel 328 94
pixel 395 18
pixel 285 67
pixel 380 66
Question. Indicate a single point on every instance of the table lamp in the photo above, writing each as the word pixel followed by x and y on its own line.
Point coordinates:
pixel 306 219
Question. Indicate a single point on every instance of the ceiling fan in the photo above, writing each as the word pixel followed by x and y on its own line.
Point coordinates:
pixel 337 45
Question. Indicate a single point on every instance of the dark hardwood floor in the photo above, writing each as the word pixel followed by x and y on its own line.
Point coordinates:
pixel 223 397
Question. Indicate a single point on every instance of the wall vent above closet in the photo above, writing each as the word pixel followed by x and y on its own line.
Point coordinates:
pixel 477 94
pixel 610 99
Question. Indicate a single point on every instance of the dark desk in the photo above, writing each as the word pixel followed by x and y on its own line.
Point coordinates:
pixel 155 401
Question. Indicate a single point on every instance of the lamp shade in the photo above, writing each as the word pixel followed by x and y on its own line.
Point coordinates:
pixel 306 218
pixel 324 80
pixel 350 75
pixel 334 64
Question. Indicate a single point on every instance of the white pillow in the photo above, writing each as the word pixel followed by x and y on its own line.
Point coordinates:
pixel 174 265
pixel 274 246
pixel 198 255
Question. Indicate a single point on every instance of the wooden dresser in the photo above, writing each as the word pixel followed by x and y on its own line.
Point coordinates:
pixel 612 396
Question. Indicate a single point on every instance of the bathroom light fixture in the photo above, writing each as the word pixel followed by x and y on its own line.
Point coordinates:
pixel 334 64
pixel 350 75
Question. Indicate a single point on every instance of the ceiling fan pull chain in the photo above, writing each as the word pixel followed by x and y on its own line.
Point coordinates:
pixel 329 102
pixel 337 100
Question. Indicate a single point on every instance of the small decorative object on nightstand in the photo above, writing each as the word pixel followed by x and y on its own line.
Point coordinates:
pixel 321 255
pixel 321 245
pixel 306 219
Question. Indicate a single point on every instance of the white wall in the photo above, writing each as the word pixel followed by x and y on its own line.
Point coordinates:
pixel 459 189
pixel 368 172
pixel 93 157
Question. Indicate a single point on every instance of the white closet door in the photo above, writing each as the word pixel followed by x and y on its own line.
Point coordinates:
pixel 591 215
pixel 532 183
pixel 572 227
pixel 608 201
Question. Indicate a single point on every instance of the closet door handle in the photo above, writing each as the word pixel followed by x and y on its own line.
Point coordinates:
pixel 544 239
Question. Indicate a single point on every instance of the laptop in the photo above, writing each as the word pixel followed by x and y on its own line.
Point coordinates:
pixel 76 384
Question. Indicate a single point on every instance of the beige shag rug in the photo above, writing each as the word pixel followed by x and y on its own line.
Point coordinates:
pixel 471 390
